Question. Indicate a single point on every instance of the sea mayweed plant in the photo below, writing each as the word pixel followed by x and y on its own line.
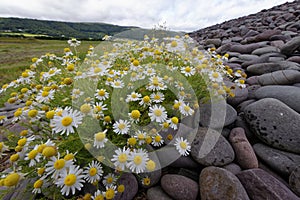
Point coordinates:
pixel 90 120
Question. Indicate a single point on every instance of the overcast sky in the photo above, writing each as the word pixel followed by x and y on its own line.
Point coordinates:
pixel 179 15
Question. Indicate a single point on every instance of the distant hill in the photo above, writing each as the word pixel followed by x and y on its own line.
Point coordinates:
pixel 56 29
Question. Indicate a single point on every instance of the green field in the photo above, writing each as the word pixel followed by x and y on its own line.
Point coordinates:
pixel 16 54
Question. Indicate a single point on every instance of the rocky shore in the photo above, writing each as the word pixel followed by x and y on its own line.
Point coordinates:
pixel 258 154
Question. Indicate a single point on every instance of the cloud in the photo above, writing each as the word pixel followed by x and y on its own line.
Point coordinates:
pixel 187 15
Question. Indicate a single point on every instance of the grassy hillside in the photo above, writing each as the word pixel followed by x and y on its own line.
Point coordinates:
pixel 16 53
pixel 94 31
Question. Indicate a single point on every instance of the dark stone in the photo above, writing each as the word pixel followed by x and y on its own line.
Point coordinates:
pixel 244 152
pixel 261 186
pixel 179 187
pixel 218 183
pixel 291 46
pixel 282 93
pixel 282 77
pixel 275 124
pixel 294 180
pixel 131 187
pixel 281 161
pixel 156 193
pixel 211 148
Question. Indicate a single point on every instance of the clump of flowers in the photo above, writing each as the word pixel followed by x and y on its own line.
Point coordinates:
pixel 89 120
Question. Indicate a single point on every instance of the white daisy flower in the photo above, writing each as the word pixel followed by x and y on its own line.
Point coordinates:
pixel 240 83
pixel 133 97
pixel 66 122
pixel 52 72
pixel 157 97
pixel 157 140
pixel 45 96
pixel 109 180
pixel 100 139
pixel 3 118
pixel 188 71
pixel 146 101
pixel 73 42
pixel 93 172
pixel 34 156
pixel 56 166
pixel 38 185
pixel 120 159
pixel 174 122
pixel 18 115
pixel 70 180
pixel 3 148
pixel 149 71
pixel 117 84
pixel 215 76
pixel 76 93
pixel 110 192
pixel 99 107
pixel 137 160
pixel 101 94
pixel 34 114
pixel 140 136
pixel 121 127
pixel 182 146
pixel 98 195
pixel 185 109
pixel 157 113
pixel 156 83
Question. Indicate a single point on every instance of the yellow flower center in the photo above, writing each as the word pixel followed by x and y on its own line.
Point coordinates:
pixel 38 184
pixel 22 142
pixel 121 126
pixel 137 160
pixel 215 74
pixel 100 136
pixel 150 165
pixel 24 133
pixel 99 197
pixel 155 81
pixel 101 92
pixel 85 108
pixel 98 108
pixel 18 113
pixel 70 67
pixel 32 113
pixel 41 148
pixel 157 113
pixel 140 136
pixel 69 156
pixel 11 180
pixel 188 69
pixel 1 145
pixel 49 151
pixel 66 121
pixel 24 90
pixel 107 118
pixel 174 43
pixel 176 106
pixel 32 154
pixel 146 181
pixel 50 114
pixel 121 188
pixel 25 74
pixel 132 141
pixel 59 164
pixel 122 158
pixel 97 70
pixel 170 137
pixel 174 120
pixel 183 145
pixel 146 99
pixel 93 171
pixel 68 81
pixel 45 93
pixel 14 157
pixel 157 138
pixel 41 171
pixel 135 114
pixel 110 193
pixel 109 180
pixel 136 63
pixel 157 97
pixel 70 180
pixel 187 108
pixel 148 139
